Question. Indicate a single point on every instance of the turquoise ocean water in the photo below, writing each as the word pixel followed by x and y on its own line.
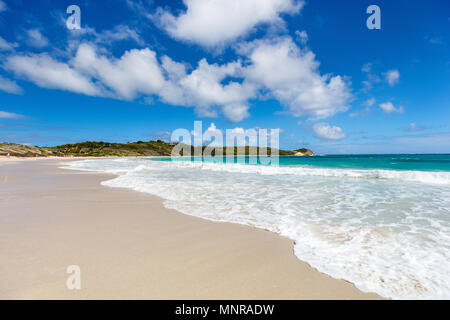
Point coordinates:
pixel 421 162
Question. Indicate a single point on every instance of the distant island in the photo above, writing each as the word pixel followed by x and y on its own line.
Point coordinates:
pixel 131 149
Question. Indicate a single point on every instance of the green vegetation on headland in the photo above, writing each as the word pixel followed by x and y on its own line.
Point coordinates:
pixel 131 149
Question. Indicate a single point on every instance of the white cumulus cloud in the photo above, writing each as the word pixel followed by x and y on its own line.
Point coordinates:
pixel 9 86
pixel 302 36
pixel 325 131
pixel 107 37
pixel 10 115
pixel 392 77
pixel 139 73
pixel 388 107
pixel 236 111
pixel 217 22
pixel 204 88
pixel 370 102
pixel 292 77
pixel 136 72
pixel 36 39
pixel 414 127
pixel 272 67
pixel 7 46
pixel 46 72
pixel 212 128
pixel 367 68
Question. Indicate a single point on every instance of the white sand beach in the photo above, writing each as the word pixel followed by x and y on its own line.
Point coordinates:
pixel 129 246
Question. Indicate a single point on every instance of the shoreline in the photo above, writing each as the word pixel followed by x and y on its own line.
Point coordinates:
pixel 135 248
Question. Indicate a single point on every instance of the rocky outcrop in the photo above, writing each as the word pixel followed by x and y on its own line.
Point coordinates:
pixel 303 152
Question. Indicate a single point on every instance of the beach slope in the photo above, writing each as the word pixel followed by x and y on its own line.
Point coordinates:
pixel 129 246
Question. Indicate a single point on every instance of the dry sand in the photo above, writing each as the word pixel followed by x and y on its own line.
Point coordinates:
pixel 129 246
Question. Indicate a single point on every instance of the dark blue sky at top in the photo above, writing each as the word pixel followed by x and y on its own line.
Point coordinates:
pixel 414 40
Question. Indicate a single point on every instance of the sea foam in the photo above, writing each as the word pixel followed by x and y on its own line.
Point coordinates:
pixel 386 231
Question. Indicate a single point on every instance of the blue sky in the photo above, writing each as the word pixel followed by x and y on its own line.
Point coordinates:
pixel 139 69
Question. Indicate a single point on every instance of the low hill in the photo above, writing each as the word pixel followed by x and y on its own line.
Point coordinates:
pixel 105 149
pixel 133 149
pixel 19 150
